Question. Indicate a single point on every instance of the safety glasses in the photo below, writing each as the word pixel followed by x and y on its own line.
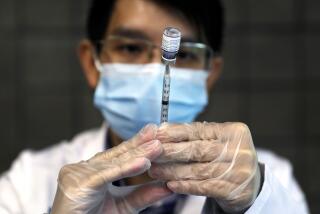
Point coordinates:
pixel 121 49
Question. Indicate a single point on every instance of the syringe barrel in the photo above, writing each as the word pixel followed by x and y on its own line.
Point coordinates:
pixel 165 95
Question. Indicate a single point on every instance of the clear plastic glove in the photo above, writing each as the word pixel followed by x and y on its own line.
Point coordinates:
pixel 209 159
pixel 86 187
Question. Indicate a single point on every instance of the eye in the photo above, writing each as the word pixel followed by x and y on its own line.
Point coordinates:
pixel 133 49
pixel 187 56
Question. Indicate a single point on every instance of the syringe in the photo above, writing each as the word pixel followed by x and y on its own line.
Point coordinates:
pixel 170 46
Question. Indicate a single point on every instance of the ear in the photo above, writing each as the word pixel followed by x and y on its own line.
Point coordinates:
pixel 85 54
pixel 215 72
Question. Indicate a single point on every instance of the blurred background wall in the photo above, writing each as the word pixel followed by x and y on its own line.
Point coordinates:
pixel 271 79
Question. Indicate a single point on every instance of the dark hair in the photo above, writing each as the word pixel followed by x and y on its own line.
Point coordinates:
pixel 207 18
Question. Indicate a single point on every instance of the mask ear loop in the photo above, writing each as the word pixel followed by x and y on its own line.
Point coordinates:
pixel 97 62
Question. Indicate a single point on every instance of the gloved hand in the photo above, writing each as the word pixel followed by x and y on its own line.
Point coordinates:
pixel 85 187
pixel 209 159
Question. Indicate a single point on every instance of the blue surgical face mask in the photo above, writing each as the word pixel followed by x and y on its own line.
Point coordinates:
pixel 129 95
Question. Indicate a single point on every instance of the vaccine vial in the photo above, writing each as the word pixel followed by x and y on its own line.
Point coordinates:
pixel 170 44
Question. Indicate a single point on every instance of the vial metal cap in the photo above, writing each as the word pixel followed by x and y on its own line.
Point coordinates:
pixel 170 43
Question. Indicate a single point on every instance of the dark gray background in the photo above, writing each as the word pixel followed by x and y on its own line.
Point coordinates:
pixel 270 81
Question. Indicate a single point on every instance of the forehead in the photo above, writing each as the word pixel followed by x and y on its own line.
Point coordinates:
pixel 146 17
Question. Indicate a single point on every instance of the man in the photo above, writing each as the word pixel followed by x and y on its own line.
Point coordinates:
pixel 172 168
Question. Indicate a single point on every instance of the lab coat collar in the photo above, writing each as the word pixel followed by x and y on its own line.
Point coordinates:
pixel 95 143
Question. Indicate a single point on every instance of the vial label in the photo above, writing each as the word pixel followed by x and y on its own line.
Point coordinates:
pixel 170 44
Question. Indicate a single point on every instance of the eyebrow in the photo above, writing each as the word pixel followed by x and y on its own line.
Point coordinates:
pixel 189 39
pixel 138 34
pixel 131 33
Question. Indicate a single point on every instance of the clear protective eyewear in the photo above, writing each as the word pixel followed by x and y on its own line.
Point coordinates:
pixel 121 49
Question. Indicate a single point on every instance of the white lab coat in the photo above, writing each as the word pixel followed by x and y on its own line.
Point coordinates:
pixel 30 185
